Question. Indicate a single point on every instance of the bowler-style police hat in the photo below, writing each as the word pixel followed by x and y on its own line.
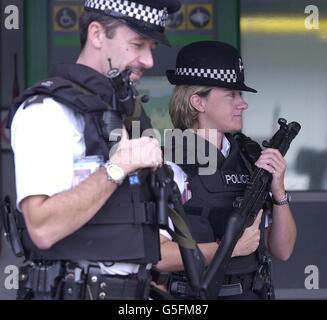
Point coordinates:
pixel 209 63
pixel 147 17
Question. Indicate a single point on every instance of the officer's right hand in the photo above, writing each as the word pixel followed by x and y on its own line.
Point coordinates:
pixel 249 242
pixel 134 154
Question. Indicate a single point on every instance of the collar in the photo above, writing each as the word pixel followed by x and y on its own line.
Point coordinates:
pixel 86 77
pixel 200 147
pixel 225 149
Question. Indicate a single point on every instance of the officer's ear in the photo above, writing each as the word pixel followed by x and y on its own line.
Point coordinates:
pixel 198 102
pixel 96 34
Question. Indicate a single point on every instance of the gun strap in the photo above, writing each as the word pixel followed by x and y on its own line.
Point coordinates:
pixel 88 92
pixel 136 113
pixel 183 236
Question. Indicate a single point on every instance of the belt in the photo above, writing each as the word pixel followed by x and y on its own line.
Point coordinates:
pixel 68 281
pixel 182 290
pixel 234 285
pixel 108 287
pixel 227 290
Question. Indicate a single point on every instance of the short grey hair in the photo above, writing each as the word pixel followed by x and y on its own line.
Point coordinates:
pixel 109 24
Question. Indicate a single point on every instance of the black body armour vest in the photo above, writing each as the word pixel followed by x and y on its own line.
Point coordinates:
pixel 213 197
pixel 125 229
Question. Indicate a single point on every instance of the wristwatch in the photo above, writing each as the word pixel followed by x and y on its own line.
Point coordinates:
pixel 285 200
pixel 114 173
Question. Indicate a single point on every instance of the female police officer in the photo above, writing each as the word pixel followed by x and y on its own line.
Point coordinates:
pixel 209 78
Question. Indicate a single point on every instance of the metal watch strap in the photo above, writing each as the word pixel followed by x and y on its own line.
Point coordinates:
pixel 285 200
pixel 107 165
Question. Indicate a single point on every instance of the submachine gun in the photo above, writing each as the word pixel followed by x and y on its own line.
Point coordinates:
pixel 128 105
pixel 245 213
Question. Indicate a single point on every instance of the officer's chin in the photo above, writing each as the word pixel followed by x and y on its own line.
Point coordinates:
pixel 238 123
pixel 136 76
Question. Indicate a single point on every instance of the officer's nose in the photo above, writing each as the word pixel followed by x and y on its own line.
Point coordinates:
pixel 241 103
pixel 146 58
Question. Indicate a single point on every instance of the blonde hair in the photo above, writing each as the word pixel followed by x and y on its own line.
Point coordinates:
pixel 183 115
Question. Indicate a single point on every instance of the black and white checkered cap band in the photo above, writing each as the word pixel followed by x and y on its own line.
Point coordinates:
pixel 131 9
pixel 226 75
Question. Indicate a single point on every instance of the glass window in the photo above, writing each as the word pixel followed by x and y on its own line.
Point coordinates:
pixel 284 46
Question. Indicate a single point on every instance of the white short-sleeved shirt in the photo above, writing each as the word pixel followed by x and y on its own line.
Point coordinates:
pixel 47 139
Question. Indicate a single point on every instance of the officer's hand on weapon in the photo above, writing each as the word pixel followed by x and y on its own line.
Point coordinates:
pixel 134 154
pixel 272 161
pixel 249 241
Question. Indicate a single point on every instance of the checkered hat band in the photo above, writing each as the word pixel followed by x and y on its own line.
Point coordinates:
pixel 226 75
pixel 131 9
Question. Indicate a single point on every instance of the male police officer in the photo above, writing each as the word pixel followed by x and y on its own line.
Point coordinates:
pixel 89 234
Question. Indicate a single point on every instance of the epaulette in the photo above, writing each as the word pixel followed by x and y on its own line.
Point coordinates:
pixel 35 99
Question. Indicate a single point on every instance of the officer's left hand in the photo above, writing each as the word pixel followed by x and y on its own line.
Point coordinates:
pixel 272 161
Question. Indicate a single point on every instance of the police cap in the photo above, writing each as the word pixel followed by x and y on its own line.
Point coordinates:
pixel 147 17
pixel 209 63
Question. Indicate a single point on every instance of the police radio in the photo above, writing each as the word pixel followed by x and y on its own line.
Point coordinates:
pixel 126 103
